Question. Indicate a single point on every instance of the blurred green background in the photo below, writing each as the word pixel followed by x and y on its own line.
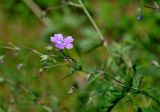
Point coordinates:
pixel 26 87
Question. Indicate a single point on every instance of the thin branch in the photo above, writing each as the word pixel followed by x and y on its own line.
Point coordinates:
pixel 15 48
pixel 35 51
pixel 121 83
pixel 94 24
pixel 56 65
pixel 156 4
pixel 150 96
pixel 155 7
pixel 72 4
pixel 136 89
pixel 7 47
pixel 151 7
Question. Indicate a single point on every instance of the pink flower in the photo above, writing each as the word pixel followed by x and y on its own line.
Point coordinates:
pixel 61 42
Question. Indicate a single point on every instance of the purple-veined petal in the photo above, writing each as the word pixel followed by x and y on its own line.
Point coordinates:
pixel 68 39
pixel 69 46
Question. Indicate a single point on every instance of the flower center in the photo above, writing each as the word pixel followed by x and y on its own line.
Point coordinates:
pixel 61 42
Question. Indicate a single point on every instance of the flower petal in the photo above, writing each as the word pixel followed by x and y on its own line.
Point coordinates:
pixel 60 46
pixel 52 39
pixel 68 39
pixel 69 46
pixel 57 38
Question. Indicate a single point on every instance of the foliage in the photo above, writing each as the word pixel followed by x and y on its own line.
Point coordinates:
pixel 114 65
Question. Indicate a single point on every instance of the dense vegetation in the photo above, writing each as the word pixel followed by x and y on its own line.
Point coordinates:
pixel 113 65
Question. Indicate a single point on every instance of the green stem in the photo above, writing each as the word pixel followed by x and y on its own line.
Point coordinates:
pixel 72 4
pixel 7 47
pixel 93 22
pixel 121 83
pixel 56 65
